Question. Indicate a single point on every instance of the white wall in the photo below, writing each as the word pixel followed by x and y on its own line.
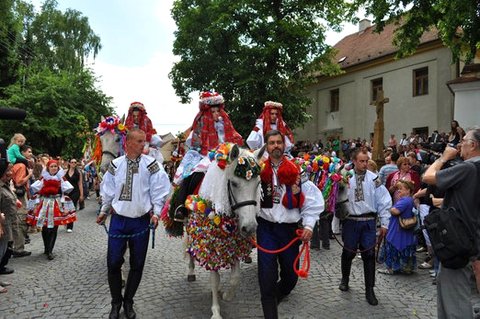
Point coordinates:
pixel 403 112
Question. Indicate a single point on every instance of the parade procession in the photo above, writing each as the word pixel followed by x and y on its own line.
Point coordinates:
pixel 239 160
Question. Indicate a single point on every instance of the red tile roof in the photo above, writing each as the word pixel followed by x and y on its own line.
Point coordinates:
pixel 368 45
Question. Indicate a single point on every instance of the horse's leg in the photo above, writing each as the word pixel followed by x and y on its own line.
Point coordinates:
pixel 215 283
pixel 191 261
pixel 234 282
pixel 191 269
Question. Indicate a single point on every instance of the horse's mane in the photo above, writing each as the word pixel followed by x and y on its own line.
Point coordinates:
pixel 214 185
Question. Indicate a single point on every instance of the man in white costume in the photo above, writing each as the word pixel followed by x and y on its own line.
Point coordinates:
pixel 133 190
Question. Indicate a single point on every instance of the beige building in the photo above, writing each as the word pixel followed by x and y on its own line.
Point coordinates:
pixel 419 99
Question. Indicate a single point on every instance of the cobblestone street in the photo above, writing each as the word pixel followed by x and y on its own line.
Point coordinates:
pixel 74 284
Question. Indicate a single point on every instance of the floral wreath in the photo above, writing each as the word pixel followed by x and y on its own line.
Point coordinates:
pixel 214 240
pixel 247 168
pixel 111 123
pixel 220 154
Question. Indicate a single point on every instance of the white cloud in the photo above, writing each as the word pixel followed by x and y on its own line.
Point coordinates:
pixel 150 85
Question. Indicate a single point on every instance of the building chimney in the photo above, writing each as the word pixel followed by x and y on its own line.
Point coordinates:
pixel 363 24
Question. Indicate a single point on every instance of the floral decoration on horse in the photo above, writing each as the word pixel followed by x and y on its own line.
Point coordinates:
pixel 214 240
pixel 110 138
pixel 325 172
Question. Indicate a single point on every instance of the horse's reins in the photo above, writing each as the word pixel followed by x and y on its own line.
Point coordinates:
pixel 109 153
pixel 150 226
pixel 301 272
pixel 234 205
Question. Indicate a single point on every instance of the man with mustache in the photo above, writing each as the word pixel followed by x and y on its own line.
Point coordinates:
pixel 285 201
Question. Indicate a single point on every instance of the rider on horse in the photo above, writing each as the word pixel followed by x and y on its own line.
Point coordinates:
pixel 210 127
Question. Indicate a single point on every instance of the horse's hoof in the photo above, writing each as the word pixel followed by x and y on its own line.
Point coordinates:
pixel 191 278
pixel 227 296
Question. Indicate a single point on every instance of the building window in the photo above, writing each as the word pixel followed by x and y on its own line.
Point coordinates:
pixel 377 85
pixel 334 100
pixel 420 81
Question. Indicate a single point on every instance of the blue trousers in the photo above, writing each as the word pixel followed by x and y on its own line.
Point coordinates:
pixel 361 235
pixel 120 226
pixel 275 236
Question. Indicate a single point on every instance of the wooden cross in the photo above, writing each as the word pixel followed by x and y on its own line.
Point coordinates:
pixel 379 103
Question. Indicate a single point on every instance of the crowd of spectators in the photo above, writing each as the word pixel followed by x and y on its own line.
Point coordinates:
pixel 18 198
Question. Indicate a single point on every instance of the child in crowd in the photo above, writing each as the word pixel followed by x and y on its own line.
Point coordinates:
pixel 398 253
pixel 53 208
pixel 13 151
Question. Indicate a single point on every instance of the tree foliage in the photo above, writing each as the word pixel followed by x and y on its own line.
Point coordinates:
pixel 43 72
pixel 61 107
pixel 458 23
pixel 252 51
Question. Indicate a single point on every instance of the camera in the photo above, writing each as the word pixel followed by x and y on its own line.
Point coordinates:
pixel 432 151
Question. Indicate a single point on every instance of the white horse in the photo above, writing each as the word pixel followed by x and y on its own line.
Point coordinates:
pixel 110 138
pixel 223 218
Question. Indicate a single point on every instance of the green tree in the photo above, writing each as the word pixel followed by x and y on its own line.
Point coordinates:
pixel 252 51
pixel 458 23
pixel 62 40
pixel 42 71
pixel 60 107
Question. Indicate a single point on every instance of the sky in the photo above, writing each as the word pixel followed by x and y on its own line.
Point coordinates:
pixel 136 57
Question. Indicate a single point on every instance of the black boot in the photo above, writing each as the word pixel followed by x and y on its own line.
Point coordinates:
pixel 369 273
pixel 128 309
pixel 5 259
pixel 45 240
pixel 115 284
pixel 346 267
pixel 115 312
pixel 51 239
pixel 270 309
pixel 133 281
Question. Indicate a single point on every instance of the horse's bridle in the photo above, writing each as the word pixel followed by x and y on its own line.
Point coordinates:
pixel 234 205
pixel 109 153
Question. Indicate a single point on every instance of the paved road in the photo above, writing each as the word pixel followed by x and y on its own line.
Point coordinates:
pixel 74 284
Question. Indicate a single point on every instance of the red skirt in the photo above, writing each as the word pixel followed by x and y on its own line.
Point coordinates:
pixel 52 211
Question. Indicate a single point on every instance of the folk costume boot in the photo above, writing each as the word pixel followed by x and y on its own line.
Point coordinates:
pixel 128 309
pixel 369 273
pixel 270 309
pixel 115 312
pixel 133 281
pixel 346 267
pixel 115 284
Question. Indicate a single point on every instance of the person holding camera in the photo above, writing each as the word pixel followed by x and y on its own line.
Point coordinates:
pixel 20 177
pixel 461 183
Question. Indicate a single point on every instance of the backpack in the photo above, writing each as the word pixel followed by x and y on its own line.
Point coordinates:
pixel 452 236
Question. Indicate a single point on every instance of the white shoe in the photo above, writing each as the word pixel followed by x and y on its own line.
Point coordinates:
pixel 69 230
pixel 434 275
pixel 425 265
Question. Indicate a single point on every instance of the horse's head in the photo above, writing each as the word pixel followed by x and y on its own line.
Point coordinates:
pixel 111 136
pixel 342 207
pixel 236 191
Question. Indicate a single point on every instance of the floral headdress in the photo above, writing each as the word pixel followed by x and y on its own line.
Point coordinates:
pixel 111 124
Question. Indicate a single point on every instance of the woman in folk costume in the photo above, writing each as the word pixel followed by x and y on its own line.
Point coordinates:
pixel 137 118
pixel 210 127
pixel 52 207
pixel 270 119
